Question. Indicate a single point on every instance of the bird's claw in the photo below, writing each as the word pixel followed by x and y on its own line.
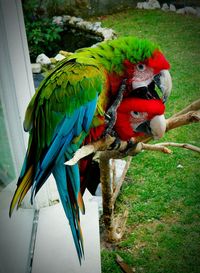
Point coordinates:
pixel 109 132
pixel 115 145
pixel 107 118
pixel 111 114
pixel 130 145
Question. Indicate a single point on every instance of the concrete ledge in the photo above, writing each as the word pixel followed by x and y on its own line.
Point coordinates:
pixel 54 249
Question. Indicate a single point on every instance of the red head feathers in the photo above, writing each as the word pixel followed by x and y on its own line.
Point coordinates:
pixel 134 111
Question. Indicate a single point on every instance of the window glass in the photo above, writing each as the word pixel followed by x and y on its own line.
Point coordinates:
pixel 7 170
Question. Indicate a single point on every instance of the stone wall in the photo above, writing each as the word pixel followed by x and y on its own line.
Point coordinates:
pixel 181 2
pixel 179 9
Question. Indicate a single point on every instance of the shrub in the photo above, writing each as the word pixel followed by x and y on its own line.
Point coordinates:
pixel 43 37
pixel 42 34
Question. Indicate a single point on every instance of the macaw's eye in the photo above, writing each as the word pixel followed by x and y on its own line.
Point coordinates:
pixel 135 114
pixel 141 67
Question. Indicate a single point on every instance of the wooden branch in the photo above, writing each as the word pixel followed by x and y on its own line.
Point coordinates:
pixel 99 145
pixel 192 107
pixel 183 119
pixel 161 147
pixel 180 145
pixel 114 227
pixel 119 225
pixel 156 147
pixel 113 170
pixel 108 206
pixel 120 182
pixel 124 266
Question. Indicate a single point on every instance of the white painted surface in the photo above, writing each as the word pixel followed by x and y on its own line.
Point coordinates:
pixel 15 235
pixel 55 250
pixel 16 88
pixel 16 79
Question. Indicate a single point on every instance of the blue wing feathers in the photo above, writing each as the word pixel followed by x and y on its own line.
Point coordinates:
pixel 79 124
pixel 67 177
pixel 62 137
pixel 90 110
pixel 60 174
pixel 73 172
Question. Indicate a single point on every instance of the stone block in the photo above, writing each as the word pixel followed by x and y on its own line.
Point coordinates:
pixel 43 59
pixel 180 11
pixel 140 5
pixel 36 68
pixel 146 5
pixel 154 4
pixel 59 57
pixel 172 7
pixel 165 7
pixel 190 10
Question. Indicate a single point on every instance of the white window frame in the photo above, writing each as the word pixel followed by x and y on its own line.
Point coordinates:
pixel 17 88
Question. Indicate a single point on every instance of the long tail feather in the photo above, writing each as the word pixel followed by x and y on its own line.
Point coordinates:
pixel 81 203
pixel 69 201
pixel 23 194
pixel 23 185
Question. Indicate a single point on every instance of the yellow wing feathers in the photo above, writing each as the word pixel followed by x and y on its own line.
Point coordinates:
pixel 22 190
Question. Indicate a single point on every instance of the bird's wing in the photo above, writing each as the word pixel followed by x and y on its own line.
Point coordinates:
pixel 58 119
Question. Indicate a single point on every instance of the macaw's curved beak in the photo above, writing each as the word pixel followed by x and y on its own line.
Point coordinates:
pixel 147 90
pixel 155 127
pixel 164 82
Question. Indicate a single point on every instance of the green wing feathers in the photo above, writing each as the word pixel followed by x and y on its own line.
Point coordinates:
pixel 67 88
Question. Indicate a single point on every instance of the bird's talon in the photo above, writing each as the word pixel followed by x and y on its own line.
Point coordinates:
pixel 116 144
pixel 107 118
pixel 131 144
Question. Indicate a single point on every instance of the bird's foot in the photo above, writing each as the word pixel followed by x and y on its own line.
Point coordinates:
pixel 110 121
pixel 111 114
pixel 130 146
pixel 116 144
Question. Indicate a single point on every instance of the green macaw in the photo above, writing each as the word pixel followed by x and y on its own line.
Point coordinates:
pixel 71 107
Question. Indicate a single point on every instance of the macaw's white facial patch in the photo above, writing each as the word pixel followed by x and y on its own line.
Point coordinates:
pixel 142 76
pixel 137 118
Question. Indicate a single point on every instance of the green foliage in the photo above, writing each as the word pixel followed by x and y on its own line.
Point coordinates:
pixel 162 192
pixel 43 37
pixel 42 34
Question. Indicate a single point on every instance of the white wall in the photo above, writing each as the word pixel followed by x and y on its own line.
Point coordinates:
pixel 16 89
pixel 16 79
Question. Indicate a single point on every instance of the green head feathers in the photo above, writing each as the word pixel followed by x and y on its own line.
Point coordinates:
pixel 111 54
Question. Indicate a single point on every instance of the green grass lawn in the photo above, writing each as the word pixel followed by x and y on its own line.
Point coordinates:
pixel 162 192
